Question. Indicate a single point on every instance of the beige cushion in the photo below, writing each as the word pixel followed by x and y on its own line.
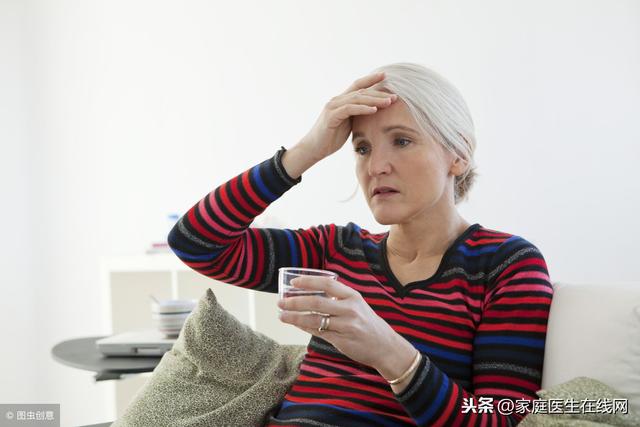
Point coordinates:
pixel 577 390
pixel 594 331
pixel 218 373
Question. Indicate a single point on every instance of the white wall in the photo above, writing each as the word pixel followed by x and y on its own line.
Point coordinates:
pixel 115 113
pixel 18 378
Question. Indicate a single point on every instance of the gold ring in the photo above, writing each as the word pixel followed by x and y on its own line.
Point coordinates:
pixel 324 323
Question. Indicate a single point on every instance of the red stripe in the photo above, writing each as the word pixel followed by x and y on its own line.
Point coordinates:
pixel 314 256
pixel 302 250
pixel 334 362
pixel 220 261
pixel 240 199
pixel 388 402
pixel 518 301
pixel 224 197
pixel 425 315
pixel 504 379
pixel 246 184
pixel 341 260
pixel 520 264
pixel 504 326
pixel 350 385
pixel 483 242
pixel 341 403
pixel 454 332
pixel 259 258
pixel 491 233
pixel 406 331
pixel 193 221
pixel 234 255
pixel 451 405
pixel 521 314
pixel 332 238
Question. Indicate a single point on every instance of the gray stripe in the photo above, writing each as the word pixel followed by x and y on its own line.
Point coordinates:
pixel 495 272
pixel 183 230
pixel 460 270
pixel 510 261
pixel 418 384
pixel 341 245
pixel 508 367
pixel 271 266
pixel 328 348
pixel 281 173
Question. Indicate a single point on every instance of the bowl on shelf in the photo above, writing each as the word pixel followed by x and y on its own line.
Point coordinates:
pixel 169 315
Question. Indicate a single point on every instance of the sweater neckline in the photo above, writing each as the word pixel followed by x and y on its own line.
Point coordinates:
pixel 403 290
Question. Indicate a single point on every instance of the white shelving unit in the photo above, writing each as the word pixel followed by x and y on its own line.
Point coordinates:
pixel 127 283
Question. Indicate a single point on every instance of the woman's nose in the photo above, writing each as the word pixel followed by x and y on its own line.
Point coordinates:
pixel 379 163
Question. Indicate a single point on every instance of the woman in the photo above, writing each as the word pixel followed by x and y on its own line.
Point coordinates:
pixel 435 322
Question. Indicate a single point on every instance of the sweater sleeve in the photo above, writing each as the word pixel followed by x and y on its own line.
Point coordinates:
pixel 214 237
pixel 508 349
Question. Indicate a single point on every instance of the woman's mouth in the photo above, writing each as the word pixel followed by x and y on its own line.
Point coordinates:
pixel 385 194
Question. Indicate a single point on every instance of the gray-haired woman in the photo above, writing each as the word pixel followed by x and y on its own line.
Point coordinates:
pixel 436 321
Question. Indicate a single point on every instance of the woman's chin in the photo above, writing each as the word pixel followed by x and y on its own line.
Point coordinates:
pixel 386 218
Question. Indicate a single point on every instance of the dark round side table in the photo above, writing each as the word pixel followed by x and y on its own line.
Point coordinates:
pixel 82 353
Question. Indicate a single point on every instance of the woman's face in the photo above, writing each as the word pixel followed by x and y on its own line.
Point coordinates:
pixel 391 151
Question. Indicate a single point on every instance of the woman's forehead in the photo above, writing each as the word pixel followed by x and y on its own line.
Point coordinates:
pixel 397 115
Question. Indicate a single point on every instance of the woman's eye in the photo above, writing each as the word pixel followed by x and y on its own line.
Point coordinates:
pixel 360 149
pixel 403 142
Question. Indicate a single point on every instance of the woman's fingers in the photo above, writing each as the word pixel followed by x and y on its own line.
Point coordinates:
pixel 310 322
pixel 346 111
pixel 376 99
pixel 358 104
pixel 315 303
pixel 331 287
pixel 366 93
pixel 333 126
pixel 365 82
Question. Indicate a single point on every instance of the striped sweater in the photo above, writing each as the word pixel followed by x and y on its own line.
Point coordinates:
pixel 480 321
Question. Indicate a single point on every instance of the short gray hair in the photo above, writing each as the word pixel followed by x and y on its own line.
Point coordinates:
pixel 440 111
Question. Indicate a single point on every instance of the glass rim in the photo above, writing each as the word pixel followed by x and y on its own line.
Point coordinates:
pixel 315 270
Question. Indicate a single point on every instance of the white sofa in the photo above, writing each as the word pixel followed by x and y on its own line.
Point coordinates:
pixel 594 331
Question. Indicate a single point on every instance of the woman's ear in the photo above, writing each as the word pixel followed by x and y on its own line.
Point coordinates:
pixel 459 166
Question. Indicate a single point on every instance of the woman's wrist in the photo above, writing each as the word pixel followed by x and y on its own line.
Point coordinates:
pixel 297 159
pixel 401 386
pixel 406 375
pixel 399 362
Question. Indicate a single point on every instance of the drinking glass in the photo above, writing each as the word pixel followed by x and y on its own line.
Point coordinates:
pixel 286 274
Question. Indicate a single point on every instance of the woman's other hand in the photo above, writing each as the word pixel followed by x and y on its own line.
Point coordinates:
pixel 353 328
pixel 333 126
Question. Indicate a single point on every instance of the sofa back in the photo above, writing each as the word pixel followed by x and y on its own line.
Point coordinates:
pixel 594 331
